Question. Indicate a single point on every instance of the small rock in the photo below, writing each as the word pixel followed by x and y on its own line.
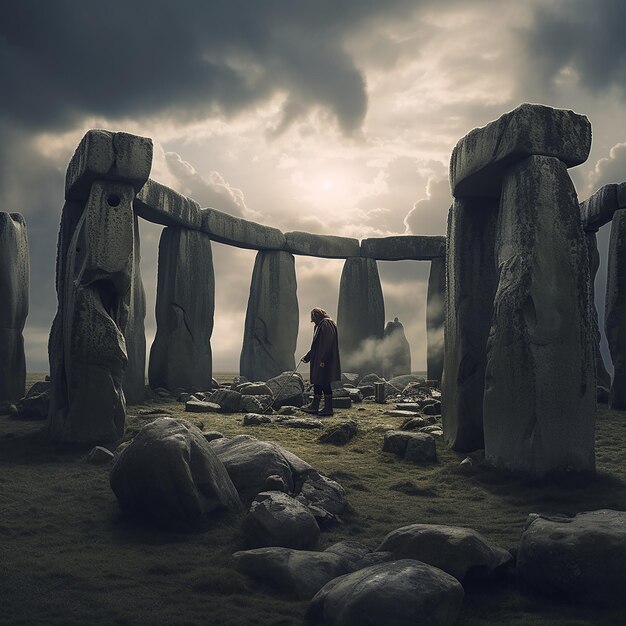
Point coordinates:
pixel 342 402
pixel 302 422
pixel 413 423
pixel 255 419
pixel 200 406
pixel 100 456
pixel 275 483
pixel 420 448
pixel 401 413
pixel 339 434
pixel 229 401
pixel 183 397
pixel 434 408
pixel 287 410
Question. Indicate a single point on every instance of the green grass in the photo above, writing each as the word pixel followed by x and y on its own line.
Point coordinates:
pixel 67 556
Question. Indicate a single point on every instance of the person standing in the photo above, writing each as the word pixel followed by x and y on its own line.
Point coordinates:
pixel 324 359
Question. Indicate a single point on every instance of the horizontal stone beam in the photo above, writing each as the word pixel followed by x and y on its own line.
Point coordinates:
pixel 102 154
pixel 325 246
pixel 480 159
pixel 598 209
pixel 404 247
pixel 236 231
pixel 162 205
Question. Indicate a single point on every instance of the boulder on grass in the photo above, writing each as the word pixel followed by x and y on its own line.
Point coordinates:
pixel 413 446
pixel 287 389
pixel 34 405
pixel 339 434
pixel 229 401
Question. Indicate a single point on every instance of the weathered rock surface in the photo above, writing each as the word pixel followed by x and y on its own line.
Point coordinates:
pixel 395 594
pixel 352 552
pixel 36 403
pixel 599 208
pixel 615 309
pixel 287 390
pixel 100 456
pixel 583 556
pixel 229 401
pixel 360 316
pixel 310 423
pixel 322 492
pixel 540 385
pixel 253 404
pixel 271 327
pixel 236 231
pixel 435 318
pixel 412 446
pixel 162 205
pixel 472 282
pixel 396 350
pixel 253 389
pixel 202 406
pixel 276 519
pixel 479 161
pixel 14 276
pixel 325 246
pixel 181 353
pixel 461 552
pixel 170 474
pixel 339 434
pixel 404 247
pixel 255 419
pixel 299 573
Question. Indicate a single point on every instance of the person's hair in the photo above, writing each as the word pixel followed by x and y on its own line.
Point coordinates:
pixel 317 314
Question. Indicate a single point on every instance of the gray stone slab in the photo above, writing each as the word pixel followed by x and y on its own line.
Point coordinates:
pixel 102 154
pixel 435 318
pixel 472 281
pixel 404 247
pixel 14 276
pixel 615 309
pixel 598 209
pixel 160 204
pixel 540 382
pixel 325 246
pixel 236 231
pixel 181 356
pixel 480 159
pixel 360 317
pixel 271 326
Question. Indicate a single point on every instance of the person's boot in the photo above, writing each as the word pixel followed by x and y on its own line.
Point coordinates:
pixel 328 405
pixel 313 406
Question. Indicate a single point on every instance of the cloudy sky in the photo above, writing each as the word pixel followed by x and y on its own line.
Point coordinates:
pixel 330 116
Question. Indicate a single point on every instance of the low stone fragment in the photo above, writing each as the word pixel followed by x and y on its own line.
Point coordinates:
pixel 287 390
pixel 339 434
pixel 302 422
pixel 421 449
pixel 251 404
pixel 201 406
pixel 321 491
pixel 100 456
pixel 255 419
pixel 229 401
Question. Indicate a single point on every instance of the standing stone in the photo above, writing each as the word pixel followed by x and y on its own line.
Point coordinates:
pixel 435 318
pixel 615 309
pixel 180 356
pixel 14 271
pixel 540 386
pixel 396 350
pixel 604 378
pixel 135 335
pixel 470 289
pixel 271 327
pixel 361 316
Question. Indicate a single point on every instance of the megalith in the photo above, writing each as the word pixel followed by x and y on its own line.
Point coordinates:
pixel 87 349
pixel 615 309
pixel 540 386
pixel 435 318
pixel 396 350
pixel 180 357
pixel 271 326
pixel 360 316
pixel 14 274
pixel 470 288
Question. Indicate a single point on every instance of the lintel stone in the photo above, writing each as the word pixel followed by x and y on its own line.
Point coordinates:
pixel 598 209
pixel 404 247
pixel 236 231
pixel 325 246
pixel 162 205
pixel 480 159
pixel 102 154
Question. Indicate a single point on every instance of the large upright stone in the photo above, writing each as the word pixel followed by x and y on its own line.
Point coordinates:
pixel 181 353
pixel 14 272
pixel 361 317
pixel 435 318
pixel 271 327
pixel 480 160
pixel 470 288
pixel 540 385
pixel 615 311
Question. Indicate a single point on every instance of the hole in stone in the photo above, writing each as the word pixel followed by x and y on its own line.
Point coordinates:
pixel 113 200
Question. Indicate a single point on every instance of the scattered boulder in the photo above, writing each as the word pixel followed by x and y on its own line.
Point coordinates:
pixel 100 456
pixel 434 408
pixel 275 483
pixel 352 552
pixel 276 519
pixel 421 449
pixel 461 552
pixel 252 404
pixel 170 474
pixel 395 594
pixel 339 434
pixel 253 389
pixel 302 422
pixel 366 390
pixel 349 377
pixel 256 419
pixel 370 378
pixel 413 423
pixel 287 410
pixel 229 401
pixel 299 573
pixel 35 404
pixel 322 492
pixel 212 434
pixel 356 395
pixel 201 406
pixel 582 556
pixel 287 389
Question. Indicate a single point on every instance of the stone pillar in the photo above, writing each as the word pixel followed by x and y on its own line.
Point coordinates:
pixel 615 311
pixel 470 288
pixel 360 317
pixel 540 385
pixel 271 327
pixel 396 350
pixel 87 349
pixel 435 318
pixel 180 357
pixel 134 382
pixel 14 272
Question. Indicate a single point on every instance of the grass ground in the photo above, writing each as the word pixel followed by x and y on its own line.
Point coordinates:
pixel 68 557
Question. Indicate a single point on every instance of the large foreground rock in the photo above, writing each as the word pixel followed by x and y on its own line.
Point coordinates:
pixel 171 475
pixel 401 593
pixel 287 390
pixel 462 552
pixel 583 557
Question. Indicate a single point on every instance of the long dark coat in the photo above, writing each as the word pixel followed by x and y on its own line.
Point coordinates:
pixel 324 349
